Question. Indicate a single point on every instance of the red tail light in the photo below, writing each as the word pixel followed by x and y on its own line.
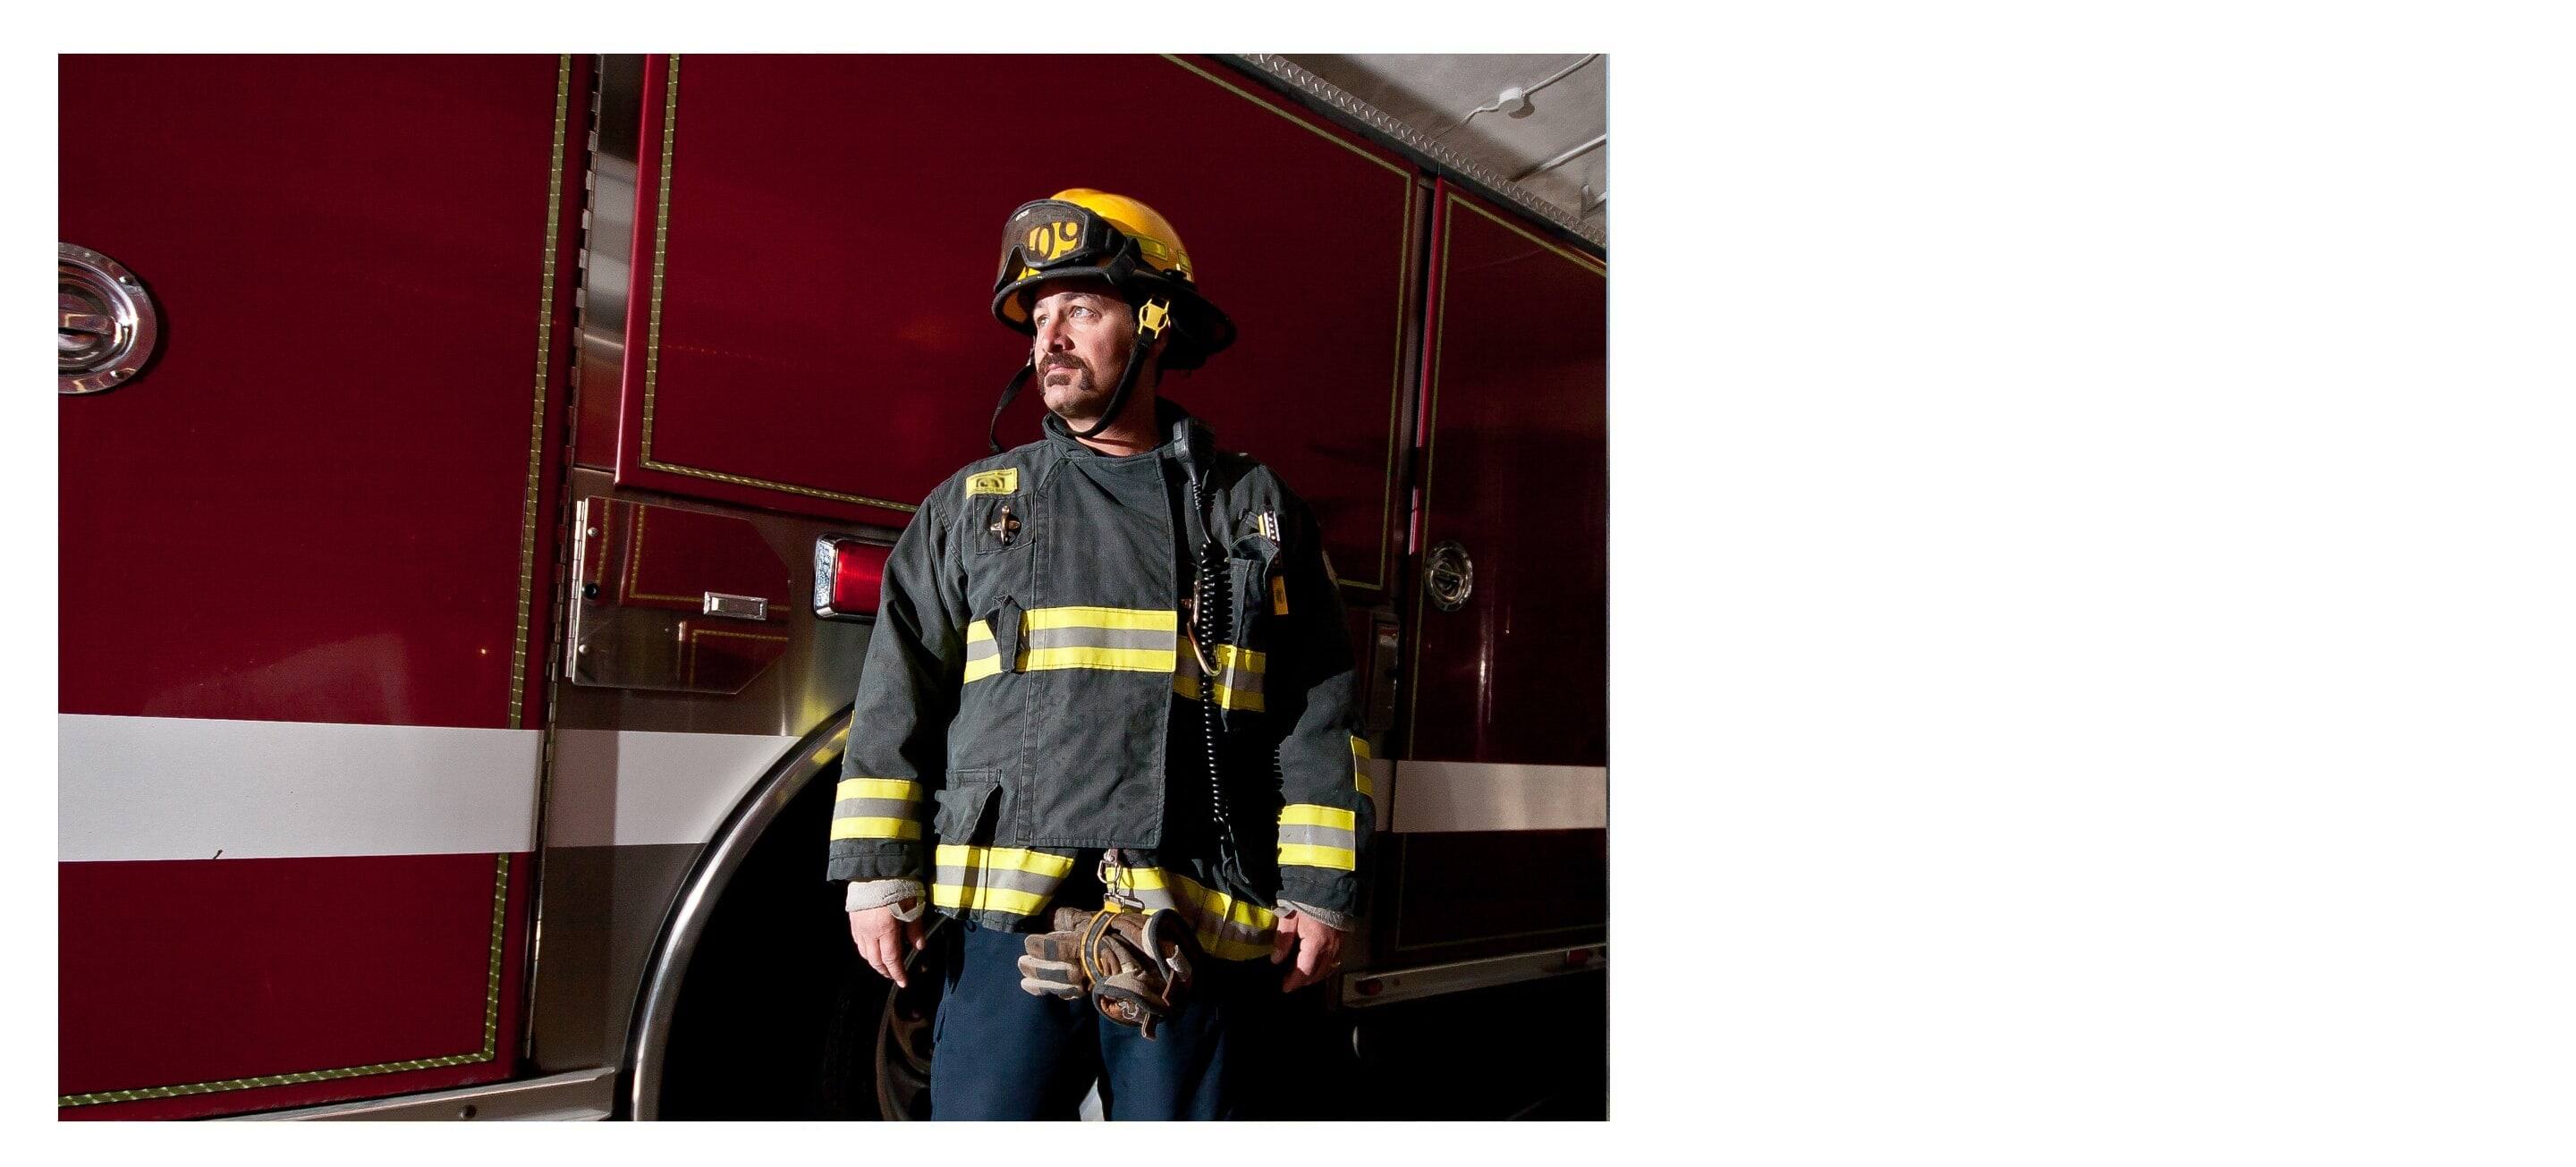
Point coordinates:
pixel 848 576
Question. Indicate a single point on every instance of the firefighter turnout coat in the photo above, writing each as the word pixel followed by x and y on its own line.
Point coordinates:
pixel 1031 691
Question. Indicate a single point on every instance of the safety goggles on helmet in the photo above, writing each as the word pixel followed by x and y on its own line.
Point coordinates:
pixel 1051 235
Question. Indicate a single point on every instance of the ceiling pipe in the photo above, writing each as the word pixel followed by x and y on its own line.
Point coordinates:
pixel 1563 158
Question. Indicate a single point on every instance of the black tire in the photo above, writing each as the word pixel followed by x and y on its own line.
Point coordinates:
pixel 777 1014
pixel 901 1046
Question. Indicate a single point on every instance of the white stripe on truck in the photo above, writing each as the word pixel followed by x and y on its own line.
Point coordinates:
pixel 634 787
pixel 139 788
pixel 143 788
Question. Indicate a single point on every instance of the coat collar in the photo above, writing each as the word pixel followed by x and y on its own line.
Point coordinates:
pixel 1170 420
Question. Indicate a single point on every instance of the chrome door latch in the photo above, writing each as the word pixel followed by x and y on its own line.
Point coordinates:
pixel 108 327
pixel 1449 576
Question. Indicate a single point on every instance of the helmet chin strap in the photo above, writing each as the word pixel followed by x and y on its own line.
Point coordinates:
pixel 993 429
pixel 1152 317
pixel 1145 335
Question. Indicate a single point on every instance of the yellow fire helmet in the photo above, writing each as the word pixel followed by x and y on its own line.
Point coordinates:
pixel 1064 229
pixel 1083 232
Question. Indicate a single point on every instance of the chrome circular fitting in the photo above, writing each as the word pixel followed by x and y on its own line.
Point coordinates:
pixel 109 325
pixel 1449 576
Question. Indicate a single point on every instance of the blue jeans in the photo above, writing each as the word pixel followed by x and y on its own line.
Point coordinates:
pixel 1000 1052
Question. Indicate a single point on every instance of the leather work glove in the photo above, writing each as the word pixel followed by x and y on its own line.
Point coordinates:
pixel 1134 965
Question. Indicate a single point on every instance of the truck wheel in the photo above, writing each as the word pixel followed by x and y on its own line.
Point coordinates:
pixel 905 1028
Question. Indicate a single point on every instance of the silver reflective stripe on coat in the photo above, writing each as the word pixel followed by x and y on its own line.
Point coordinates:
pixel 885 808
pixel 1078 637
pixel 1320 836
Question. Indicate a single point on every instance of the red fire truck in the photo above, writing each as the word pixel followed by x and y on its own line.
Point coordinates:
pixel 520 438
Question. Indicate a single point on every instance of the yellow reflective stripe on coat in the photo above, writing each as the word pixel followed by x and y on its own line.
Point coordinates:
pixel 876 808
pixel 1307 814
pixel 1127 640
pixel 899 789
pixel 1086 656
pixel 984 898
pixel 1239 679
pixel 1227 928
pixel 1310 855
pixel 968 855
pixel 875 827
pixel 1186 684
pixel 1318 836
pixel 1359 766
pixel 1136 640
pixel 1014 880
pixel 1131 619
pixel 983 657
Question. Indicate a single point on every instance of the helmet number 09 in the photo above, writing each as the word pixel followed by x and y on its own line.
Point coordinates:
pixel 1050 241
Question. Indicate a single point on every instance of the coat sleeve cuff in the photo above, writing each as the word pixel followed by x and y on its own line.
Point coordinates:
pixel 877 893
pixel 873 864
pixel 1333 893
pixel 1330 919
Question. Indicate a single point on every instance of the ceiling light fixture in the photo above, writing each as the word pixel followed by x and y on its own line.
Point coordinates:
pixel 1517 97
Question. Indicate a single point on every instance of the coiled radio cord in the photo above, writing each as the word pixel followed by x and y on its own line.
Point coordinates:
pixel 1205 631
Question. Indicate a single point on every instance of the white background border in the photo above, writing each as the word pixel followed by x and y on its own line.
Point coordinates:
pixel 2091 564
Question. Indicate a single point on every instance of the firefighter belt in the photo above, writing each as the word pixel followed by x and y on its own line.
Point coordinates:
pixel 1134 965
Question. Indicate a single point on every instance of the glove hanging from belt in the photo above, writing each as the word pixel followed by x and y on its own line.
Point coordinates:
pixel 1134 964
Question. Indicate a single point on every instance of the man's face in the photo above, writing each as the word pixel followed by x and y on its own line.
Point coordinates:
pixel 1084 332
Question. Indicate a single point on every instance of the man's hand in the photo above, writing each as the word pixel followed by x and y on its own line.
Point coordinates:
pixel 883 940
pixel 1318 947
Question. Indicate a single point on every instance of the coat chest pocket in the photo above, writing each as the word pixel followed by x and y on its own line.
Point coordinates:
pixel 1000 538
pixel 1257 590
pixel 1242 659
pixel 999 525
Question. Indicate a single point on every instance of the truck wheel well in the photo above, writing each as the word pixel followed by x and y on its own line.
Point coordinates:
pixel 752 970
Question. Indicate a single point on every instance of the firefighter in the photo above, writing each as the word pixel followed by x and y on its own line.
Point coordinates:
pixel 1106 721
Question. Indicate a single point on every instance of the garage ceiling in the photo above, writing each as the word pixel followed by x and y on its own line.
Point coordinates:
pixel 1554 145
